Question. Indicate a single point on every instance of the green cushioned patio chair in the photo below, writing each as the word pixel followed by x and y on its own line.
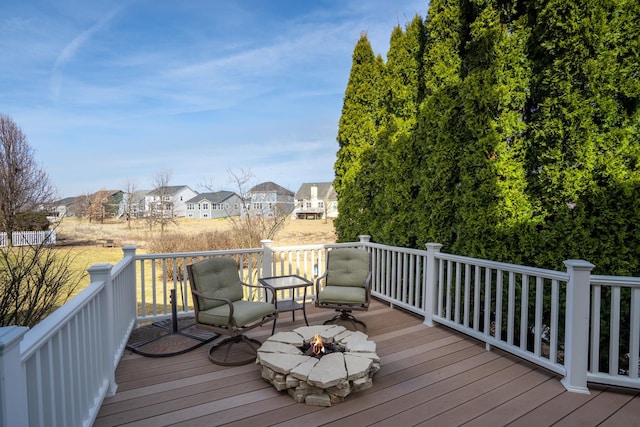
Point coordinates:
pixel 346 284
pixel 221 307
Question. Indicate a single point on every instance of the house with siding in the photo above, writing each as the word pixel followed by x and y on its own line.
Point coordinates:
pixel 315 200
pixel 220 204
pixel 170 200
pixel 270 199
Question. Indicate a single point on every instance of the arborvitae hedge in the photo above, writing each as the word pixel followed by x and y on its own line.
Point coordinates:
pixel 506 130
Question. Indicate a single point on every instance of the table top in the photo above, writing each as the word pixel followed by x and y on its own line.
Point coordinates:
pixel 289 281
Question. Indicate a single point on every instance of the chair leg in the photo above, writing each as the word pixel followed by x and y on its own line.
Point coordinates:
pixel 221 354
pixel 346 316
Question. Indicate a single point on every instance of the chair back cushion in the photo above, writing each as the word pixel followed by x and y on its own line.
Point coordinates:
pixel 347 267
pixel 217 278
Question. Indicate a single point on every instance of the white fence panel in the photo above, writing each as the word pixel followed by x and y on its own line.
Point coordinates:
pixel 29 238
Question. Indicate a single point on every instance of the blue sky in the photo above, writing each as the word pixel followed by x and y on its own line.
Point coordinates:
pixel 109 92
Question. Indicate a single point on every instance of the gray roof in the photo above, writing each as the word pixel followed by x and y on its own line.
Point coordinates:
pixel 216 197
pixel 271 187
pixel 325 191
pixel 169 189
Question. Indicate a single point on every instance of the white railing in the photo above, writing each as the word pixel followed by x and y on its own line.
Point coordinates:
pixel 158 274
pixel 398 276
pixel 508 306
pixel 59 372
pixel 615 299
pixel 29 238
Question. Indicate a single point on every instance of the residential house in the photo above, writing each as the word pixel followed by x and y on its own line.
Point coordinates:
pixel 135 203
pixel 168 201
pixel 315 201
pixel 270 199
pixel 62 208
pixel 220 204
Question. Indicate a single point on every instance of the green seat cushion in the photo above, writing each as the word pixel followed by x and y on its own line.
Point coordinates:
pixel 244 313
pixel 343 295
pixel 217 278
pixel 347 267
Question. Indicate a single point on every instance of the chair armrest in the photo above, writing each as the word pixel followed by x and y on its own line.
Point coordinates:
pixel 318 280
pixel 225 300
pixel 367 285
pixel 273 292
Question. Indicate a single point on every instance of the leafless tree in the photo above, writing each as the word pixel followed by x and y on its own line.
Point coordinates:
pixel 161 209
pixel 35 280
pixel 252 226
pixel 130 188
pixel 98 203
pixel 24 185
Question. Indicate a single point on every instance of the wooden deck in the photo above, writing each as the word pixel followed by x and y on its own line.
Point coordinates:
pixel 429 376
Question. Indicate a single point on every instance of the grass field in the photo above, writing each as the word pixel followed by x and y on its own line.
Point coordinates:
pixel 86 240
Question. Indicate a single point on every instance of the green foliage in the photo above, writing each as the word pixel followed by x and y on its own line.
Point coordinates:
pixel 357 133
pixel 440 133
pixel 32 221
pixel 403 89
pixel 506 130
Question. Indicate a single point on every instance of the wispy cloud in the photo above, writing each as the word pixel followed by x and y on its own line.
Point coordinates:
pixel 198 87
pixel 70 50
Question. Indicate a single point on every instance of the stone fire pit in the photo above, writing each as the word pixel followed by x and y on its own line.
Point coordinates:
pixel 319 381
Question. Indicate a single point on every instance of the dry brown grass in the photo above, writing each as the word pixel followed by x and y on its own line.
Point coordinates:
pixel 86 240
pixel 79 232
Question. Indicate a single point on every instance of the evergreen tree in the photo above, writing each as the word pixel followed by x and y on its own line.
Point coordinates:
pixel 438 144
pixel 526 143
pixel 583 130
pixel 395 219
pixel 357 134
pixel 493 207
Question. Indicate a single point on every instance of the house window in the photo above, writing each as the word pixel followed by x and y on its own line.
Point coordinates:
pixel 205 206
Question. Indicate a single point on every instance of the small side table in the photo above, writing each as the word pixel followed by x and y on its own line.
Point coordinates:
pixel 291 282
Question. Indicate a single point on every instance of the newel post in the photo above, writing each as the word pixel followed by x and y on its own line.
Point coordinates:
pixel 267 251
pixel 364 238
pixel 577 326
pixel 14 408
pixel 430 280
pixel 102 273
pixel 129 251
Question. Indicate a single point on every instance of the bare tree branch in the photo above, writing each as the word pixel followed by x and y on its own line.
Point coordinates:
pixel 24 185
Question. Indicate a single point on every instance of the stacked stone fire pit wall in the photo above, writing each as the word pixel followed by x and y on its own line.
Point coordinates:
pixel 323 381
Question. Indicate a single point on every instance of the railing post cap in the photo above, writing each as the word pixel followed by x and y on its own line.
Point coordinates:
pixel 129 248
pixel 9 335
pixel 266 242
pixel 99 271
pixel 434 246
pixel 99 268
pixel 364 238
pixel 578 264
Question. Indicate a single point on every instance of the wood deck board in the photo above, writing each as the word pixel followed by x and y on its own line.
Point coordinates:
pixel 432 376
